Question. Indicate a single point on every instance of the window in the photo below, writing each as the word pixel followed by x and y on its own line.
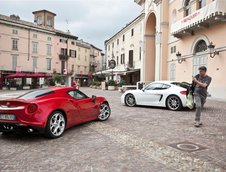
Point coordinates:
pixel 49 21
pixel 39 20
pixel 85 70
pixel 49 38
pixel 173 50
pixel 173 72
pixel 174 16
pixel 132 32
pixel 122 58
pixel 63 51
pixel 140 53
pixel 117 61
pixel 35 94
pixel 73 53
pixel 35 35
pixel 201 3
pixel 15 31
pixel 72 43
pixel 35 63
pixel 187 7
pixel 200 46
pixel 123 38
pixel 112 44
pixel 48 60
pixel 14 62
pixel 15 44
pixel 117 41
pixel 49 49
pixel 77 94
pixel 63 41
pixel 109 48
pixel 34 47
pixel 157 86
pixel 78 70
pixel 199 59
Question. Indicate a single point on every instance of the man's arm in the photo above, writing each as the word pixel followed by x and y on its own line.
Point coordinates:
pixel 203 85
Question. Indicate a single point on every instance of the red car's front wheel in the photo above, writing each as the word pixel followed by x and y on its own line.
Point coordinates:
pixel 56 125
pixel 105 112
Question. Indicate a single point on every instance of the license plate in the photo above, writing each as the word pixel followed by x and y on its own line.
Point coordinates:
pixel 9 117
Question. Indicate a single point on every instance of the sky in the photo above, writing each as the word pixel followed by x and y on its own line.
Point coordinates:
pixel 94 21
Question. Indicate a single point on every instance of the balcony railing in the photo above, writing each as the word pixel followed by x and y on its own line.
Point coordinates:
pixel 130 65
pixel 202 18
pixel 63 57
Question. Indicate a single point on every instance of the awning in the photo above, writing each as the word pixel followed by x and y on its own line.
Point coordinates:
pixel 25 75
pixel 210 11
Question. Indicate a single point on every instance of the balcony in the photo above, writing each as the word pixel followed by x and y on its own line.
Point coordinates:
pixel 63 57
pixel 213 13
pixel 130 65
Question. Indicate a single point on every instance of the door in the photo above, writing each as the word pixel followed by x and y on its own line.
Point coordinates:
pixel 131 59
pixel 87 108
pixel 153 93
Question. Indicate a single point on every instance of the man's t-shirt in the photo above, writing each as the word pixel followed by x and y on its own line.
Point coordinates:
pixel 200 90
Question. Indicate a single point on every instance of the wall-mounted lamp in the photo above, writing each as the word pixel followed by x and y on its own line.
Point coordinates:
pixel 179 57
pixel 213 52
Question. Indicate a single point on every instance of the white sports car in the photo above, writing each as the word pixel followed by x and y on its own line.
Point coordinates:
pixel 168 94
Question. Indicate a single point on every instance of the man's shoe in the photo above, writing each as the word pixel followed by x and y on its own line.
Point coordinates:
pixel 200 123
pixel 197 124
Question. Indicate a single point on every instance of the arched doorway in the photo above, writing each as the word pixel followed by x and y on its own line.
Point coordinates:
pixel 200 57
pixel 150 49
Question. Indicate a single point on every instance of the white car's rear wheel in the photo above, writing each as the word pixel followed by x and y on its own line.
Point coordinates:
pixel 173 103
pixel 130 100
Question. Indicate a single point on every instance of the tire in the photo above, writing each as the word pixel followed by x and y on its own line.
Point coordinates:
pixel 55 125
pixel 173 103
pixel 130 100
pixel 105 112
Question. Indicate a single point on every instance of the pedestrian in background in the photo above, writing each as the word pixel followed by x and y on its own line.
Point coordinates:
pixel 201 83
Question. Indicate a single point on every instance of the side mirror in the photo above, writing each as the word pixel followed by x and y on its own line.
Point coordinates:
pixel 94 98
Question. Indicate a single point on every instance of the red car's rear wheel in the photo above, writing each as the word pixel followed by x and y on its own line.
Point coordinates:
pixel 56 125
pixel 105 112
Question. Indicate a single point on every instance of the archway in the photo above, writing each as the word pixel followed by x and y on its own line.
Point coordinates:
pixel 150 52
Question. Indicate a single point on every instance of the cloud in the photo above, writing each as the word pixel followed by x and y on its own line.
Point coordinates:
pixel 91 20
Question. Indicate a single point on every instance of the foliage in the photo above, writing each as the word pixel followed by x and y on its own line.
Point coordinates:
pixel 121 83
pixel 111 83
pixel 58 78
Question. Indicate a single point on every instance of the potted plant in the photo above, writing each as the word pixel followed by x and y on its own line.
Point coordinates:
pixel 121 83
pixel 111 85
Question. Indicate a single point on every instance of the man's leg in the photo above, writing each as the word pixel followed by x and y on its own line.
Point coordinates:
pixel 198 104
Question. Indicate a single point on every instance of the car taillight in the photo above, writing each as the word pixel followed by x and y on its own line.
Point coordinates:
pixel 32 108
pixel 183 92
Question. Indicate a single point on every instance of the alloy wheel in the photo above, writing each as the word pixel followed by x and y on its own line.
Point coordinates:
pixel 105 112
pixel 57 124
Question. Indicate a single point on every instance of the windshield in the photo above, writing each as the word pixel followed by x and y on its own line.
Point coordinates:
pixel 35 94
pixel 182 84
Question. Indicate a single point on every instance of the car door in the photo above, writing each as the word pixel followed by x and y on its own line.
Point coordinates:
pixel 152 94
pixel 88 109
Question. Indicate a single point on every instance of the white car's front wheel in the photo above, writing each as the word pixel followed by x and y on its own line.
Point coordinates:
pixel 130 100
pixel 173 102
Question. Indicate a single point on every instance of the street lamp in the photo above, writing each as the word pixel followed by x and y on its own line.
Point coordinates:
pixel 179 57
pixel 212 52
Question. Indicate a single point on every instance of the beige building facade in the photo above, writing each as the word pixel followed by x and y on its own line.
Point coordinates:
pixel 125 47
pixel 38 48
pixel 181 35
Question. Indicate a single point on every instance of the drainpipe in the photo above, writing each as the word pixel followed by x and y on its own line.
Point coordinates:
pixel 29 42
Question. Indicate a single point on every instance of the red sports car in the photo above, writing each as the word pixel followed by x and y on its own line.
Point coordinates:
pixel 51 111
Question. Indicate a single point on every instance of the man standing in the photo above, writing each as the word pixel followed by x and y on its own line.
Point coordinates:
pixel 202 82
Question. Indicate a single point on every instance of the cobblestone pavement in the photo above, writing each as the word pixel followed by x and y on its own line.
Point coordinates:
pixel 133 139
